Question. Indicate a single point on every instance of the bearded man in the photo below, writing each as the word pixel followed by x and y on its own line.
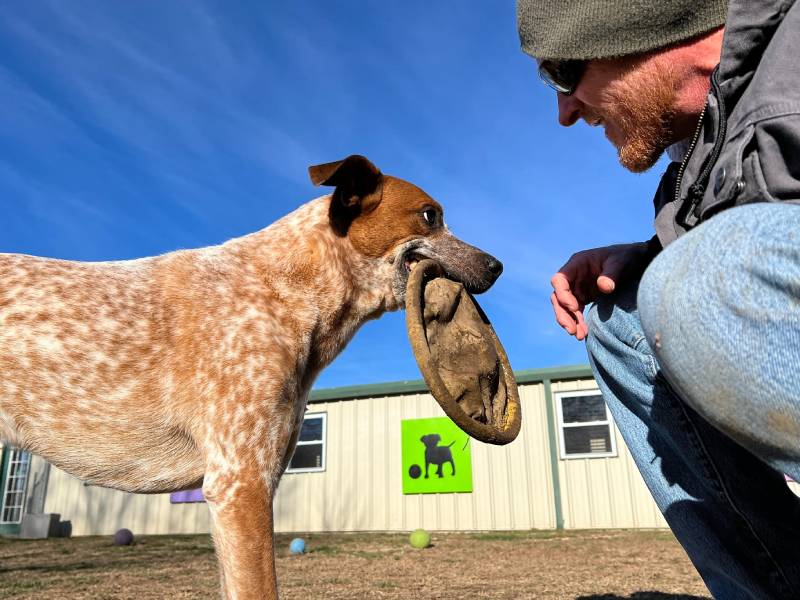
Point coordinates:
pixel 694 336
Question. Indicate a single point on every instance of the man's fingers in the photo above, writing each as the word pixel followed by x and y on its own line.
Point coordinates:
pixel 563 317
pixel 618 265
pixel 581 328
pixel 563 291
pixel 606 284
pixel 613 267
pixel 586 275
pixel 571 320
pixel 559 281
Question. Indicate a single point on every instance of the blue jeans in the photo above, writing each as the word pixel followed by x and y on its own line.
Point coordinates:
pixel 702 374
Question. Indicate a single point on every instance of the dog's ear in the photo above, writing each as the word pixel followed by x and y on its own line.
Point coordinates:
pixel 355 177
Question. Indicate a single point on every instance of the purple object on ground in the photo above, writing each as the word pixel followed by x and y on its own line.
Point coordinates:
pixel 123 537
pixel 187 496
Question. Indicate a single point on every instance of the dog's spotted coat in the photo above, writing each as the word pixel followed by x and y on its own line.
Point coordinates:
pixel 193 368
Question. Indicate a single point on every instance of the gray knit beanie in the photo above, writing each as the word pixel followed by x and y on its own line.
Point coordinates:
pixel 587 29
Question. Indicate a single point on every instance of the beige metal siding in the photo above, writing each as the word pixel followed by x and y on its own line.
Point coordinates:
pixel 361 488
pixel 603 492
pixel 94 510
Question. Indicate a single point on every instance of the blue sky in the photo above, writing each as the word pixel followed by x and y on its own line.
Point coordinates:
pixel 136 128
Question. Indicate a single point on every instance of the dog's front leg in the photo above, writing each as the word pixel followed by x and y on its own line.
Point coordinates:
pixel 241 508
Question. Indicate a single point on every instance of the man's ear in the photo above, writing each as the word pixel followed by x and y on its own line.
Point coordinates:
pixel 354 177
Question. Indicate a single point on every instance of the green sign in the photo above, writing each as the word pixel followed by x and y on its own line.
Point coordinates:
pixel 436 457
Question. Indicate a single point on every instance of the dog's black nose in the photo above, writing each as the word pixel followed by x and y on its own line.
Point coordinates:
pixel 495 266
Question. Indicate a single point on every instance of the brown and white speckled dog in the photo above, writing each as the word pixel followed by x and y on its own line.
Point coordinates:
pixel 191 368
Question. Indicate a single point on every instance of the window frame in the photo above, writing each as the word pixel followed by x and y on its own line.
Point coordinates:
pixel 11 486
pixel 323 441
pixel 609 421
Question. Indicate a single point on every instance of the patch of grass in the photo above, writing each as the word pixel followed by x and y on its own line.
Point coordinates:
pixel 659 535
pixel 386 585
pixel 51 568
pixel 534 534
pixel 336 581
pixel 368 554
pixel 501 536
pixel 86 580
pixel 326 550
pixel 13 589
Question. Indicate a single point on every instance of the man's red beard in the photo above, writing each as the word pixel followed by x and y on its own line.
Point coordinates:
pixel 637 111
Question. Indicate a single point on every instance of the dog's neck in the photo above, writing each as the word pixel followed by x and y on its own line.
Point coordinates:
pixel 331 288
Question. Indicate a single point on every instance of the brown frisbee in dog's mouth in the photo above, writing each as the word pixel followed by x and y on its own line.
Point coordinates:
pixel 461 359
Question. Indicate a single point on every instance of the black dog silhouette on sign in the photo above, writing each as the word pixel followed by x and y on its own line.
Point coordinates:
pixel 436 454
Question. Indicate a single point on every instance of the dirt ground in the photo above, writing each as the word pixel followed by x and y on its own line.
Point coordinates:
pixel 579 565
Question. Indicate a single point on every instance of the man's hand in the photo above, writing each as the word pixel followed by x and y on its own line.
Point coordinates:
pixel 588 274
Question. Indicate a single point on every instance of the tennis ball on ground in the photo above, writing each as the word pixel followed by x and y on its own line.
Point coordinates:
pixel 420 538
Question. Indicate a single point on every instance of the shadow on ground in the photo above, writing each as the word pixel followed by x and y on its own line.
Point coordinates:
pixel 642 596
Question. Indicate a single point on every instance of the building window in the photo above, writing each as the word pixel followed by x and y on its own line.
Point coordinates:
pixel 585 425
pixel 16 478
pixel 309 455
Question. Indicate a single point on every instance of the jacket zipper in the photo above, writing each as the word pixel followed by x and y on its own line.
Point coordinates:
pixel 698 188
pixel 689 151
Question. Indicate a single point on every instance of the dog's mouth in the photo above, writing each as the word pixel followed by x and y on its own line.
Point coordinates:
pixel 463 263
pixel 406 262
pixel 411 259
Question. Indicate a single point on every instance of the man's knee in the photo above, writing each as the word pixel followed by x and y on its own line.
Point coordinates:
pixel 717 269
pixel 719 308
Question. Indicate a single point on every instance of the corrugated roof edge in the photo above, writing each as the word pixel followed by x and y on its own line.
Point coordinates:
pixel 417 386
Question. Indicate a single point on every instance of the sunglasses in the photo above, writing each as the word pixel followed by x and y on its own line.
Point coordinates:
pixel 562 75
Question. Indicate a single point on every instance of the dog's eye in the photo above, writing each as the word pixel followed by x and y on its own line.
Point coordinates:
pixel 430 216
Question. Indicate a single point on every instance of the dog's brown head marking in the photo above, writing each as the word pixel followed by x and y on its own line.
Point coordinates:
pixel 384 216
pixel 378 212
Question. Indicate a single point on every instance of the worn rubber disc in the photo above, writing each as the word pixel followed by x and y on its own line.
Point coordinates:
pixel 461 359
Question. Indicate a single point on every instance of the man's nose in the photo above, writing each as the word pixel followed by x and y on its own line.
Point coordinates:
pixel 569 109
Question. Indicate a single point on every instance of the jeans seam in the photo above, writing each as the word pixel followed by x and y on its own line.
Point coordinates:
pixel 778 575
pixel 648 358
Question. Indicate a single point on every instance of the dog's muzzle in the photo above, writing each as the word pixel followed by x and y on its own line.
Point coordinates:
pixel 468 265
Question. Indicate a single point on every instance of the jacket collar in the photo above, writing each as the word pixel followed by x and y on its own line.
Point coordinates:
pixel 748 30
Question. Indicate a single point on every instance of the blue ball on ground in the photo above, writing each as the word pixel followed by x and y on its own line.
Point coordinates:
pixel 123 537
pixel 297 546
pixel 420 538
